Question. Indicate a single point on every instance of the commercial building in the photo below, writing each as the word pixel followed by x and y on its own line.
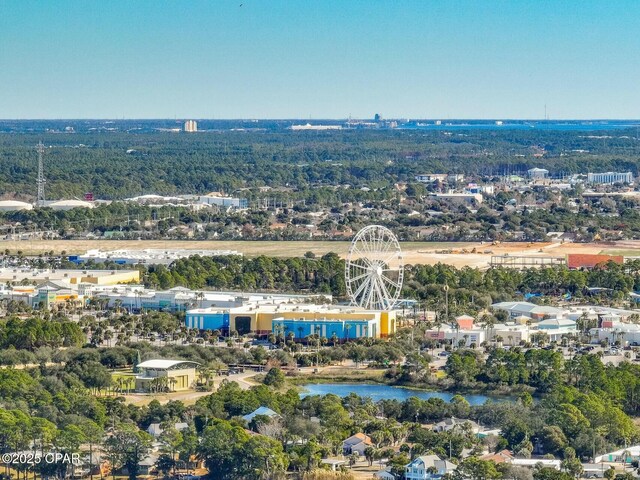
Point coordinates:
pixel 440 177
pixel 222 201
pixel 308 126
pixel 190 126
pixel 14 205
pixel 171 375
pixel 609 178
pixel 538 173
pixel 340 329
pixel 180 299
pixel 480 189
pixel 527 309
pixel 149 256
pixel 299 319
pixel 64 205
pixel 74 277
pixel 473 198
pixel 625 455
pixel 589 261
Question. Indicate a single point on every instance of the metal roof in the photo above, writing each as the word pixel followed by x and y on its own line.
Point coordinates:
pixel 163 364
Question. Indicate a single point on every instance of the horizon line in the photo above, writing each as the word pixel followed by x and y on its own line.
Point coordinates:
pixel 333 119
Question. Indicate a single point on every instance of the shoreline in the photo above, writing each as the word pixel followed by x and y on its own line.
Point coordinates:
pixel 508 392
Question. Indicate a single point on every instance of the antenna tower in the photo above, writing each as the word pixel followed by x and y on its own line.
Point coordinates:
pixel 41 181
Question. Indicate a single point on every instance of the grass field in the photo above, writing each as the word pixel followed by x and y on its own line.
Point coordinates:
pixel 463 253
pixel 624 253
pixel 249 248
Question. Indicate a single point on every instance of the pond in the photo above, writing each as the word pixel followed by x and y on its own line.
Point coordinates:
pixel 387 392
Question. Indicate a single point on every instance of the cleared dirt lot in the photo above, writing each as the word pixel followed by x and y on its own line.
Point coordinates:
pixel 414 252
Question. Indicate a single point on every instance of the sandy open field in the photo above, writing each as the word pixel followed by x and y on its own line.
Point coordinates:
pixel 414 252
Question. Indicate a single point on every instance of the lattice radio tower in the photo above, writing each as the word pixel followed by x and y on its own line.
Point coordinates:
pixel 41 181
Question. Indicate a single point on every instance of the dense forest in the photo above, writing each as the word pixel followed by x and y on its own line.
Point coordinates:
pixel 115 165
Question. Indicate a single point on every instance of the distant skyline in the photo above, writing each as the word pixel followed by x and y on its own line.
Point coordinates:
pixel 448 59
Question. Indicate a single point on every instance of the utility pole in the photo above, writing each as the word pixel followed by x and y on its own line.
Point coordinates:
pixel 41 181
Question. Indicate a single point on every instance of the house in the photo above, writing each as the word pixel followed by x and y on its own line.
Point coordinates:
pixel 264 411
pixel 533 462
pixel 452 423
pixel 155 430
pixel 384 475
pixel 503 456
pixel 356 444
pixel 428 467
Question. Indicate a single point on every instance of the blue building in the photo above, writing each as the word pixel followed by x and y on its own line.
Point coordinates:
pixel 205 319
pixel 343 329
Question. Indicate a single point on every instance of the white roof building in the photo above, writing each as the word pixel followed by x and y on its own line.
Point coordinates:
pixel 266 411
pixel 69 204
pixel 531 310
pixel 14 205
pixel 624 455
pixel 161 364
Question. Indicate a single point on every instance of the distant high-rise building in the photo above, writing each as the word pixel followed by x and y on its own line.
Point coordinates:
pixel 191 126
pixel 610 177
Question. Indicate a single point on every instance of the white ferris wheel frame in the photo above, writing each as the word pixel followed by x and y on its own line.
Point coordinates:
pixel 374 251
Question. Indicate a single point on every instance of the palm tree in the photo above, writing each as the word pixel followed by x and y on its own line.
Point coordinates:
pixel 200 297
pixel 172 382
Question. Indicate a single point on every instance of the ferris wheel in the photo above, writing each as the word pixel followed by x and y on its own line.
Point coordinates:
pixel 374 269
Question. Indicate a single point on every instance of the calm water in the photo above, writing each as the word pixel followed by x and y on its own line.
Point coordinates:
pixel 385 392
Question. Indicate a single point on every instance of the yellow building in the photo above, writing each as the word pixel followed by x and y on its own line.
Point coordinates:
pixel 166 375
pixel 73 277
pixel 258 318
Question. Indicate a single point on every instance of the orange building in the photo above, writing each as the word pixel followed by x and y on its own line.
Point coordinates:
pixel 582 260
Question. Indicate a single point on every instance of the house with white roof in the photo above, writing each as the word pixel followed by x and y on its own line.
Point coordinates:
pixel 265 411
pixel 453 423
pixel 156 430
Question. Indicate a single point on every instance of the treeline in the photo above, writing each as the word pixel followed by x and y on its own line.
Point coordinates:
pixel 321 275
pixel 471 289
pixel 35 332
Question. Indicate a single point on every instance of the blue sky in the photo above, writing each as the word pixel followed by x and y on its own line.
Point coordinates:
pixel 319 59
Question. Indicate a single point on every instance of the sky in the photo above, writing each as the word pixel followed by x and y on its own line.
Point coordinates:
pixel 319 59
